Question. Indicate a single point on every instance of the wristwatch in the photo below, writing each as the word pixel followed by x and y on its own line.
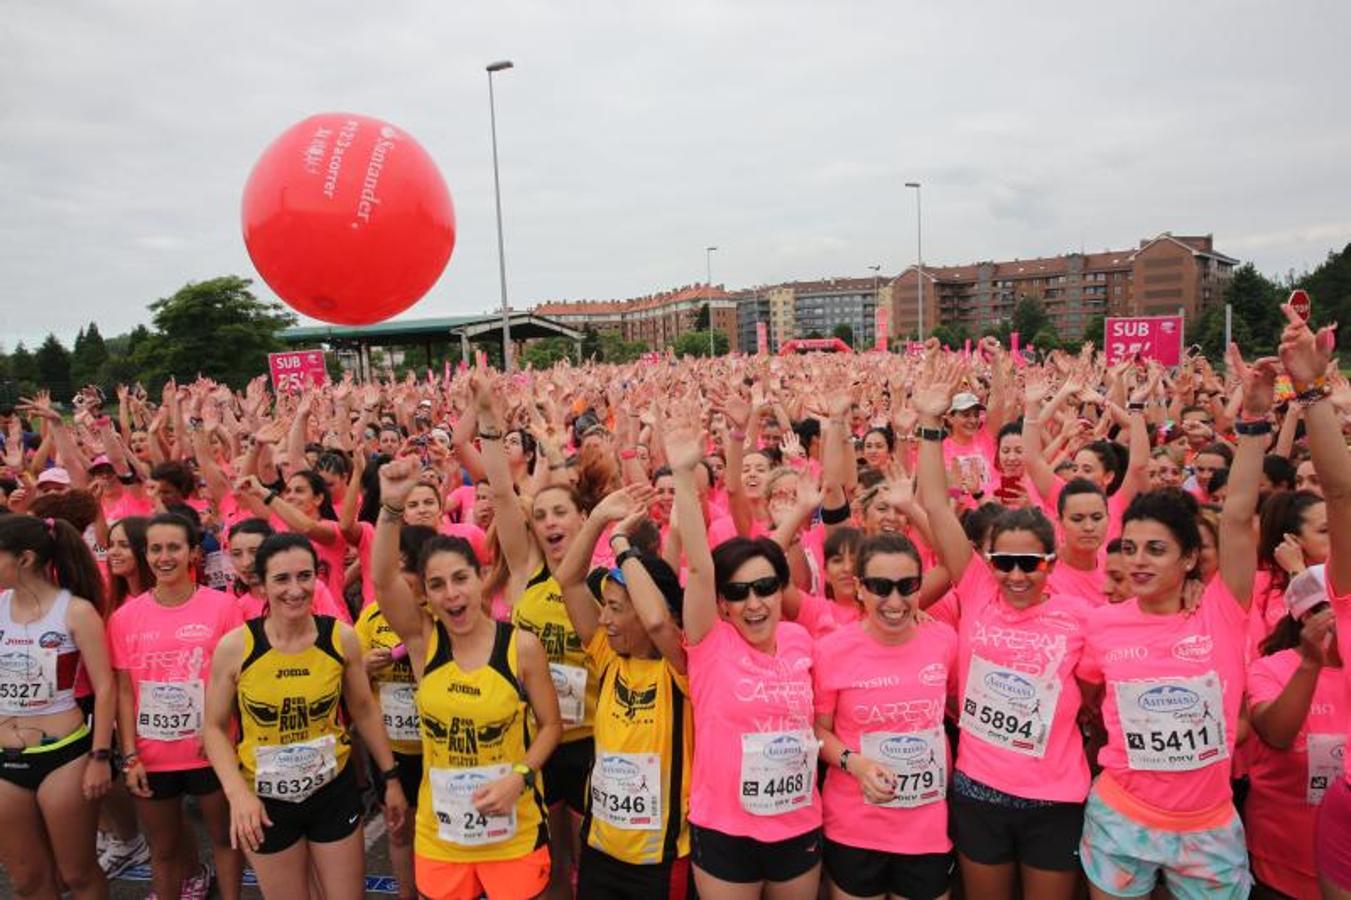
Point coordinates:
pixel 628 553
pixel 101 755
pixel 527 775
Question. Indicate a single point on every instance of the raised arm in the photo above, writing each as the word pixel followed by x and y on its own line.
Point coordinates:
pixel 572 571
pixel 932 398
pixel 1035 413
pixel 684 449
pixel 397 602
pixel 518 547
pixel 1238 537
pixel 1306 357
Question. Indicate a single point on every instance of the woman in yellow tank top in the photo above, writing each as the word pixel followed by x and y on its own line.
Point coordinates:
pixel 533 550
pixel 488 714
pixel 294 802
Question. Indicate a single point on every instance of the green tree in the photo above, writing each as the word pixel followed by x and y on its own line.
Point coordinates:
pixel 217 328
pixel 1029 317
pixel 1047 339
pixel 614 349
pixel 53 364
pixel 845 332
pixel 695 343
pixel 701 318
pixel 546 352
pixel 590 343
pixel 1096 330
pixel 23 368
pixel 1001 330
pixel 949 336
pixel 1329 288
pixel 1256 303
pixel 88 356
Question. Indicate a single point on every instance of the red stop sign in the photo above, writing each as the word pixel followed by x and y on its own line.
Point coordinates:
pixel 1299 299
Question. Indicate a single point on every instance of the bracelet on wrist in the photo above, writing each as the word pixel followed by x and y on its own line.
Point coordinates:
pixel 1312 395
pixel 489 435
pixel 1253 428
pixel 271 495
pixel 930 434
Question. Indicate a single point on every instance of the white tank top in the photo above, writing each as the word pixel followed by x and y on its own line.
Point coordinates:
pixel 38 661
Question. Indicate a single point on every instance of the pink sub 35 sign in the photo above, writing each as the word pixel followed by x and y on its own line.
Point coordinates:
pixel 296 370
pixel 1144 337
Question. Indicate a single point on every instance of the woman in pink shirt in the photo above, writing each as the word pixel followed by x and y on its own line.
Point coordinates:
pixel 881 687
pixel 1292 537
pixel 1307 357
pixel 161 643
pixel 1297 692
pixel 1174 678
pixel 755 813
pixel 1084 521
pixel 1021 775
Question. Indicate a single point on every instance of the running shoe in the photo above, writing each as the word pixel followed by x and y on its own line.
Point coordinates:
pixel 118 856
pixel 198 886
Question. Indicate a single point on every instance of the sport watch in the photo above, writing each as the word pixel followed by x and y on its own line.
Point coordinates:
pixel 527 775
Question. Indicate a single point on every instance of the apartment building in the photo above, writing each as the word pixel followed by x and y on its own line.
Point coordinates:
pixel 657 320
pixel 1161 276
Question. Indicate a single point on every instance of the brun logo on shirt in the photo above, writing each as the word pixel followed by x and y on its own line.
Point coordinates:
pixel 463 738
pixel 558 641
pixel 632 700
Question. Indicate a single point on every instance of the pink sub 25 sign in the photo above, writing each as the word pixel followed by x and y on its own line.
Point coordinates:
pixel 1144 337
pixel 296 370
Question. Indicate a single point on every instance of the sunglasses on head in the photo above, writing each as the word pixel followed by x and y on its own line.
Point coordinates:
pixel 883 587
pixel 1028 562
pixel 738 591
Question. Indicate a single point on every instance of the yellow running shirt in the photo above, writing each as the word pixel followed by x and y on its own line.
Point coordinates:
pixel 639 799
pixel 393 686
pixel 475 726
pixel 542 612
pixel 292 741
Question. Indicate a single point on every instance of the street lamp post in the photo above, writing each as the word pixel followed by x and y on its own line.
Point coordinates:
pixel 497 193
pixel 919 258
pixel 708 268
pixel 877 284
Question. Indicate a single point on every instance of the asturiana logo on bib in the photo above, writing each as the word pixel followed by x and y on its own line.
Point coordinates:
pixel 903 748
pixel 618 768
pixel 301 760
pixel 170 697
pixel 1196 648
pixel 1168 698
pixel 1010 685
pixel 785 747
pixel 463 784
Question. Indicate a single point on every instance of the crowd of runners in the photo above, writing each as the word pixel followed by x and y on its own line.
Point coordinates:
pixel 860 626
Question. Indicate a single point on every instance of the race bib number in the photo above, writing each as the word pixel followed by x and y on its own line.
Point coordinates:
pixel 294 772
pixel 570 682
pixel 1327 763
pixel 778 769
pixel 1172 724
pixel 169 710
pixel 457 819
pixel 626 790
pixel 1008 708
pixel 399 710
pixel 27 678
pixel 217 570
pixel 918 759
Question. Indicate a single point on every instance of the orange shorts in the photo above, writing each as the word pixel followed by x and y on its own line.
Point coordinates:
pixel 525 876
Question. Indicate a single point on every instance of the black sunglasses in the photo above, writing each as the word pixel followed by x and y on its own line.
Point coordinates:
pixel 883 587
pixel 738 591
pixel 1028 562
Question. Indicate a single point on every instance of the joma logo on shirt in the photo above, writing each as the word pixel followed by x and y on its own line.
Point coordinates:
pixel 292 673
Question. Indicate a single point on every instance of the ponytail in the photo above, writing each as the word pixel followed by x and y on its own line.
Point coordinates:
pixel 60 553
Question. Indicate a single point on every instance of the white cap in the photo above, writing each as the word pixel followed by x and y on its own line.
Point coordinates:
pixel 965 401
pixel 1306 590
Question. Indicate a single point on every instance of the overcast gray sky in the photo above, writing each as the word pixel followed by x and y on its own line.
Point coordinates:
pixel 632 135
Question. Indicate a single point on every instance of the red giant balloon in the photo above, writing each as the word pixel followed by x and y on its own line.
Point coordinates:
pixel 347 218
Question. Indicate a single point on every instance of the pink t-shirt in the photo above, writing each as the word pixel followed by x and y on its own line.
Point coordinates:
pixel 1268 608
pixel 896 695
pixel 723 529
pixel 1065 579
pixel 165 652
pixel 945 610
pixel 126 505
pixel 1279 817
pixel 980 453
pixel 1341 607
pixel 251 607
pixel 474 535
pixel 1116 509
pixel 1018 714
pixel 737 692
pixel 821 616
pixel 1180 680
pixel 462 500
pixel 364 545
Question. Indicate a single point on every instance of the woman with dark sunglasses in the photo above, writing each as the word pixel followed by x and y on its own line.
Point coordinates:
pixel 1173 677
pixel 881 687
pixel 755 814
pixel 1021 775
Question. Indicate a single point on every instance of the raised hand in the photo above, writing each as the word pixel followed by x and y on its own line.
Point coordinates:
pixel 398 478
pixel 624 502
pixel 1306 356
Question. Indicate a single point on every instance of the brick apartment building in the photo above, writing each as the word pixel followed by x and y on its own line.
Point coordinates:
pixel 657 320
pixel 1161 276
